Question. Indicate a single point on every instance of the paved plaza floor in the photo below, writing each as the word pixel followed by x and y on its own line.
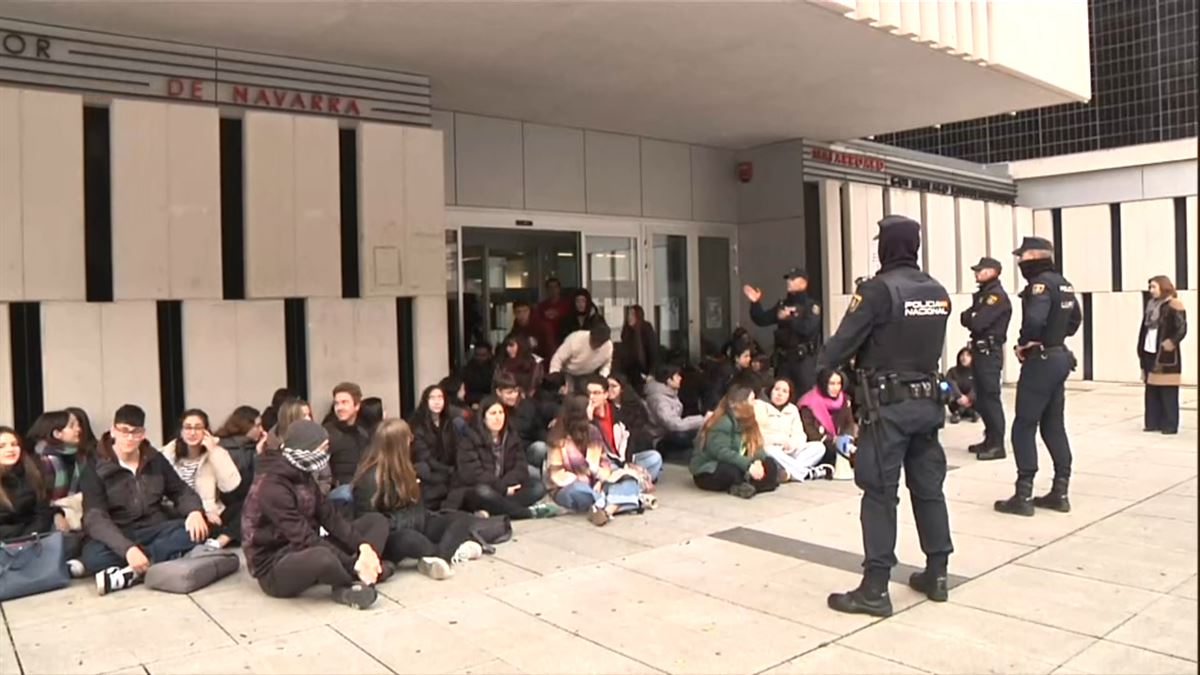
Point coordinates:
pixel 710 583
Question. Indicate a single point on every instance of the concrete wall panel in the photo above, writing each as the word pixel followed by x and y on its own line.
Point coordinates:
pixel 352 340
pixel 193 144
pixel 956 335
pixel 429 341
pixel 1043 224
pixel 714 185
pixel 129 361
pixel 666 180
pixel 6 392
pixel 554 173
pixel 865 204
pixel 72 357
pixel 12 263
pixel 613 169
pixel 424 215
pixel 1147 241
pixel 776 190
pixel 141 240
pixel 1000 232
pixel 1116 320
pixel 270 205
pixel 316 210
pixel 939 240
pixel 1087 248
pixel 381 204
pixel 971 223
pixel 488 162
pixel 829 193
pixel 444 121
pixel 234 353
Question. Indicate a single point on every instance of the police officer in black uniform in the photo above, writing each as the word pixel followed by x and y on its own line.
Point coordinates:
pixel 895 328
pixel 1050 313
pixel 987 319
pixel 797 321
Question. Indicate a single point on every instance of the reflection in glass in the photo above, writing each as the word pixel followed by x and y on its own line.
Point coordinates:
pixel 612 277
pixel 714 294
pixel 671 293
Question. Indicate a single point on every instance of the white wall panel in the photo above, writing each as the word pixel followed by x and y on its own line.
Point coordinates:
pixel 1193 246
pixel 72 359
pixel 614 173
pixel 12 265
pixel 666 180
pixel 898 202
pixel 194 201
pixel 1000 228
pixel 352 340
pixel 714 185
pixel 554 176
pixel 1012 367
pixel 1043 224
pixel 1116 320
pixel 382 197
pixel 830 196
pixel 269 180
pixel 1022 227
pixel 129 360
pixel 376 352
pixel 444 121
pixel 1086 249
pixel 1188 346
pixel 6 392
pixel 317 261
pixel 488 156
pixel 956 335
pixel 424 215
pixel 865 210
pixel 948 25
pixel 966 32
pixel 971 223
pixel 141 241
pixel 234 353
pixel 52 195
pixel 1147 241
pixel 939 240
pixel 1075 342
pixel 431 353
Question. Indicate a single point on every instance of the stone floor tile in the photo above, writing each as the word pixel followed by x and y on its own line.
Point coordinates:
pixel 1174 507
pixel 250 616
pixel 493 667
pixel 835 659
pixel 1054 599
pixel 1045 527
pixel 1137 528
pixel 1185 489
pixel 551 551
pixel 1111 658
pixel 407 642
pixel 314 651
pixel 413 589
pixel 665 526
pixel 1168 627
pixel 132 670
pixel 1140 565
pixel 1187 589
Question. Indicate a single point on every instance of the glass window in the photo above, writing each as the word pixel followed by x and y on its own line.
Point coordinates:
pixel 714 294
pixel 671 293
pixel 612 277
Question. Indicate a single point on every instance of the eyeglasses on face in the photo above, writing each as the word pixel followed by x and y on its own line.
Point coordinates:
pixel 130 432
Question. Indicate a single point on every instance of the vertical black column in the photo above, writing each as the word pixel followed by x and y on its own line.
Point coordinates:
pixel 25 333
pixel 348 174
pixel 814 261
pixel 1088 336
pixel 97 205
pixel 170 365
pixel 1182 245
pixel 1114 219
pixel 407 360
pixel 295 320
pixel 233 234
pixel 1056 219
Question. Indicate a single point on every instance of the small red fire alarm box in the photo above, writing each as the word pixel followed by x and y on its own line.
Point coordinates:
pixel 745 171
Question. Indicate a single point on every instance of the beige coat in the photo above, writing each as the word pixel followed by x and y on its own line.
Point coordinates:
pixel 217 473
pixel 780 427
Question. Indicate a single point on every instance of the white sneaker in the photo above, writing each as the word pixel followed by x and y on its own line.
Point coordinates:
pixel 435 568
pixel 115 579
pixel 819 471
pixel 469 550
pixel 75 567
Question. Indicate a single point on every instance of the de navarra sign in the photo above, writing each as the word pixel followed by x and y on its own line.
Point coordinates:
pixel 262 97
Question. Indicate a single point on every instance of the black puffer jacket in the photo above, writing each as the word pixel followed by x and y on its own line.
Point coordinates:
pixel 27 512
pixel 347 443
pixel 434 448
pixel 481 462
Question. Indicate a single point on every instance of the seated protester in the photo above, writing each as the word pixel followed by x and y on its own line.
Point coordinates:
pixel 58 437
pixel 616 435
pixel 490 472
pixel 523 419
pixel 270 416
pixel 282 522
pixel 371 414
pixel 671 431
pixel 207 468
pixel 386 483
pixel 828 417
pixel 631 411
pixel 537 334
pixel 434 444
pixel 347 438
pixel 128 524
pixel 729 455
pixel 728 371
pixel 760 368
pixel 579 470
pixel 962 381
pixel 784 437
pixel 455 390
pixel 24 500
pixel 583 353
pixel 477 374
pixel 519 361
pixel 243 438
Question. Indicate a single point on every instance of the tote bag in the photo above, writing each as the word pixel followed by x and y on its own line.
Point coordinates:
pixel 32 565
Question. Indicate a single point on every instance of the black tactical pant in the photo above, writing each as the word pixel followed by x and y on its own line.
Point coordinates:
pixel 802 372
pixel 986 368
pixel 1041 397
pixel 905 435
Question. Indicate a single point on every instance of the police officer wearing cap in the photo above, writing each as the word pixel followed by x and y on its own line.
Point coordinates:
pixel 1049 314
pixel 797 321
pixel 895 328
pixel 987 319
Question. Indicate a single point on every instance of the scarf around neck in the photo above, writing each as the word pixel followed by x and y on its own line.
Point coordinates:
pixel 309 461
pixel 823 407
pixel 1154 311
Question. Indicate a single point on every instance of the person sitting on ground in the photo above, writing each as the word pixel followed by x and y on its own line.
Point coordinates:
pixel 616 434
pixel 584 316
pixel 729 455
pixel 631 411
pixel 547 403
pixel 784 437
pixel 962 384
pixel 523 419
pixel 671 431
pixel 434 444
pixel 270 416
pixel 25 507
pixel 387 483
pixel 125 514
pixel 477 374
pixel 526 325
pixel 491 473
pixel 728 371
pixel 455 390
pixel 243 438
pixel 347 438
pixel 518 361
pixel 760 369
pixel 59 437
pixel 207 468
pixel 371 414
pixel 584 353
pixel 828 417
pixel 290 412
pixel 579 470
pixel 282 522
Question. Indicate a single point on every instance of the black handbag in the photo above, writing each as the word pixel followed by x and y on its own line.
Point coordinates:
pixel 31 565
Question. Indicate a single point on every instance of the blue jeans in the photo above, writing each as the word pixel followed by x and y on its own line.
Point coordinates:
pixel 165 541
pixel 651 461
pixel 342 493
pixel 580 497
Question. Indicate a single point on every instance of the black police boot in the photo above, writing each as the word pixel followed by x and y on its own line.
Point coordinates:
pixel 955 418
pixel 1056 499
pixel 988 454
pixel 931 583
pixel 1021 503
pixel 976 447
pixel 871 597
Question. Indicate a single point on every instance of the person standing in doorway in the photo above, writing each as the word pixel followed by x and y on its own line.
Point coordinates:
pixel 551 312
pixel 987 319
pixel 797 321
pixel 1050 313
pixel 1164 326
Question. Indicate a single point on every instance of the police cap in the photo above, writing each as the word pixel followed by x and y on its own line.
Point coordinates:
pixel 1034 244
pixel 899 222
pixel 795 273
pixel 986 263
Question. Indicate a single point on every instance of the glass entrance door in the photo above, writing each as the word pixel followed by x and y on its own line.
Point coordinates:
pixel 671 311
pixel 690 287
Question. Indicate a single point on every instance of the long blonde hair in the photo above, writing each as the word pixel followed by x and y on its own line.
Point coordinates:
pixel 737 401
pixel 390 457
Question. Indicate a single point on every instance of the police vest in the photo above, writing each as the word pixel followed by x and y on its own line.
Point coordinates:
pixel 1062 302
pixel 914 333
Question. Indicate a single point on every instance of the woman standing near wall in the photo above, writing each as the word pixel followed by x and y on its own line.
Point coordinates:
pixel 1164 326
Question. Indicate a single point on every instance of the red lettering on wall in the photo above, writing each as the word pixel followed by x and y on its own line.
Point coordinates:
pixel 848 159
pixel 197 90
pixel 334 104
pixel 240 94
pixel 316 102
pixel 273 98
pixel 174 87
pixel 352 109
pixel 298 101
pixel 262 99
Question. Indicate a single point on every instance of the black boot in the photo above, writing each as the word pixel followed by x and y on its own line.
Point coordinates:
pixel 871 597
pixel 1056 499
pixel 994 452
pixel 931 583
pixel 976 447
pixel 1021 503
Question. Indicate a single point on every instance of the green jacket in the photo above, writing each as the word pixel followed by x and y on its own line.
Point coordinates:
pixel 723 444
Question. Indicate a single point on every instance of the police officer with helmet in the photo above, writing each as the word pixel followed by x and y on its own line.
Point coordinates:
pixel 797 321
pixel 1049 314
pixel 987 319
pixel 895 328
